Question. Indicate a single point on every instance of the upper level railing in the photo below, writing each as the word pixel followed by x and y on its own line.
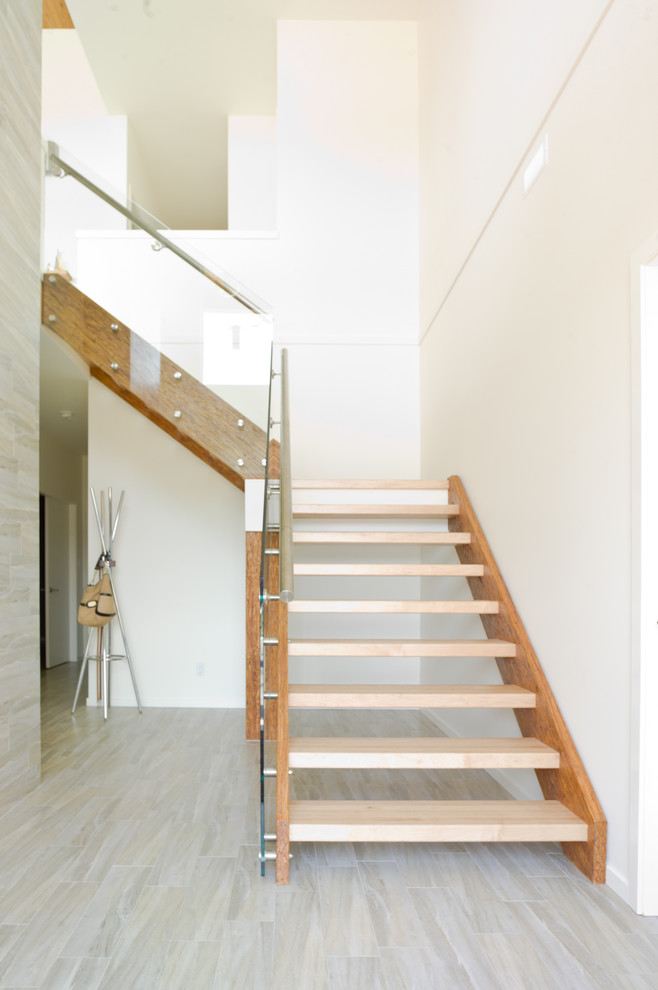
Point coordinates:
pixel 160 282
pixel 59 163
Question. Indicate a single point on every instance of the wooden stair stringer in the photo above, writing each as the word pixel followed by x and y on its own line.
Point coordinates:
pixel 207 425
pixel 569 784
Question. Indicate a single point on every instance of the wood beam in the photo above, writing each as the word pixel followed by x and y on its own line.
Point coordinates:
pixel 56 15
pixel 157 387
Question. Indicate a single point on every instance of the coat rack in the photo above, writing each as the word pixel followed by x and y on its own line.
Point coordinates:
pixel 104 565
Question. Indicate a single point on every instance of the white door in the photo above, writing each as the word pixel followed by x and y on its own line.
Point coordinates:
pixel 59 526
pixel 644 780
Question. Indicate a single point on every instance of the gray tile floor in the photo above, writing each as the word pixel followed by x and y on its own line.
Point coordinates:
pixel 133 866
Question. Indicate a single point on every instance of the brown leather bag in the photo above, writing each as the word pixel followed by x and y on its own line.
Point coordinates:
pixel 97 606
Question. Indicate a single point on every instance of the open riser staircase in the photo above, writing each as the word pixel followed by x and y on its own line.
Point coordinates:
pixel 364 554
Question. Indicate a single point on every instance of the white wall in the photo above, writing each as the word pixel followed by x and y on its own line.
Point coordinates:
pixel 529 362
pixel 251 173
pixel 489 72
pixel 180 561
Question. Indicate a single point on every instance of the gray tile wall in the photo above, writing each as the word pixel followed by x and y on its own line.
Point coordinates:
pixel 20 213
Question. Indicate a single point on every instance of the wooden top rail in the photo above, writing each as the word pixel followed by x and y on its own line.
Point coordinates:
pixel 158 388
pixel 569 784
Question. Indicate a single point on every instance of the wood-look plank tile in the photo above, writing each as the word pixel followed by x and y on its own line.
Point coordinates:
pixel 189 966
pixel 176 864
pixel 392 912
pixel 374 972
pixel 8 935
pixel 252 896
pixel 555 941
pixel 519 965
pixel 246 959
pixel 346 921
pixel 497 865
pixel 418 864
pixel 140 953
pixel 615 950
pixel 461 959
pixel 75 974
pixel 485 911
pixel 206 901
pixel 35 950
pixel 299 957
pixel 335 854
pixel 100 852
pixel 20 903
pixel 98 931
pixel 421 969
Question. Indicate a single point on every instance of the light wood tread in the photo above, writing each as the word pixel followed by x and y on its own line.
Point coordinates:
pixel 410 696
pixel 383 537
pixel 468 607
pixel 367 484
pixel 434 821
pixel 401 648
pixel 336 511
pixel 435 752
pixel 389 570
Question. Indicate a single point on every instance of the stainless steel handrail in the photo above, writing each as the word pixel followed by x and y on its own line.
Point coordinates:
pixel 53 159
pixel 287 581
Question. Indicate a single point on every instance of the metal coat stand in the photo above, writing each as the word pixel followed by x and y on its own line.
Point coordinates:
pixel 104 565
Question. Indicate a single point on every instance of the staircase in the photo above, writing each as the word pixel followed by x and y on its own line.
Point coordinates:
pixel 337 525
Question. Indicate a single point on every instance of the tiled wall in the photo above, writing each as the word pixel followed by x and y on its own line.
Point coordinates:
pixel 20 212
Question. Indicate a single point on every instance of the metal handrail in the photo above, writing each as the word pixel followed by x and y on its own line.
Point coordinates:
pixel 287 581
pixel 56 165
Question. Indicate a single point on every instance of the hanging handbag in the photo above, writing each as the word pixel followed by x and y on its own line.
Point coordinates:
pixel 97 606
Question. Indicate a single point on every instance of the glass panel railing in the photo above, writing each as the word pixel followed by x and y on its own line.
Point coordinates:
pixel 167 287
pixel 276 591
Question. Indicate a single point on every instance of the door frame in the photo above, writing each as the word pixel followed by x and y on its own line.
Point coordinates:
pixel 643 854
pixel 71 596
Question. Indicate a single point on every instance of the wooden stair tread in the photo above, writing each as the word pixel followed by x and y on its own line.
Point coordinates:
pixel 337 511
pixel 467 607
pixel 383 537
pixel 434 821
pixel 367 484
pixel 409 696
pixel 401 648
pixel 435 752
pixel 389 570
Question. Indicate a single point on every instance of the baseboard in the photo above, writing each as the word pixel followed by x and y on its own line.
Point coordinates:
pixel 170 702
pixel 619 884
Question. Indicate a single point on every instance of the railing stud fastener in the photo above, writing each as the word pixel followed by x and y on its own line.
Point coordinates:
pixel 271 695
pixel 266 856
pixel 51 278
pixel 114 327
pixel 240 423
pixel 178 375
pixel 270 642
pixel 177 414
pixel 270 837
pixel 263 462
pixel 240 462
pixel 269 771
pixel 114 366
pixel 271 552
pixel 52 318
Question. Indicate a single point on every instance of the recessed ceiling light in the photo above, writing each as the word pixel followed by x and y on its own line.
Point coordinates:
pixel 66 413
